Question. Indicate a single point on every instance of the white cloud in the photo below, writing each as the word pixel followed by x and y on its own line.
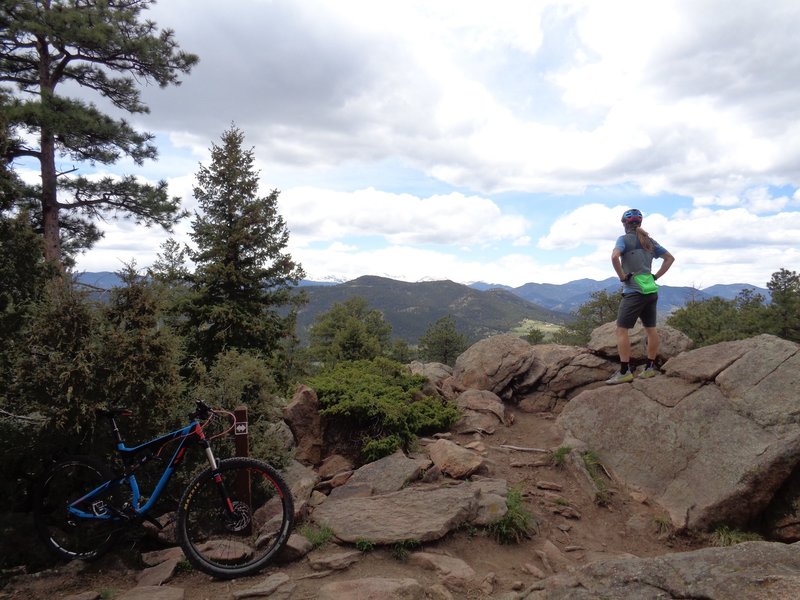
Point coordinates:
pixel 324 215
pixel 694 100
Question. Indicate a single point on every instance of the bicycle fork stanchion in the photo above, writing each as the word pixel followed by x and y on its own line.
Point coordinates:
pixel 241 442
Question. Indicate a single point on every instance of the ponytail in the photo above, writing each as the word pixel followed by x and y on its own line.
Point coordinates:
pixel 644 239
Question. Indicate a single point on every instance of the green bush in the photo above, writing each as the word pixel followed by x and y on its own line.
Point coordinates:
pixel 383 401
pixel 318 536
pixel 727 536
pixel 517 524
pixel 560 455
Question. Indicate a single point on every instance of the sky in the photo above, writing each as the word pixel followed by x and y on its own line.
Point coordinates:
pixel 491 141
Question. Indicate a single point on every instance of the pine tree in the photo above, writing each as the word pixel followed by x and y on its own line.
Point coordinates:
pixel 600 309
pixel 244 280
pixel 784 287
pixel 103 46
pixel 442 342
pixel 350 330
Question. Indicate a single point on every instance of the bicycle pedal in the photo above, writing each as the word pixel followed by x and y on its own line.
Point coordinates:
pixel 152 521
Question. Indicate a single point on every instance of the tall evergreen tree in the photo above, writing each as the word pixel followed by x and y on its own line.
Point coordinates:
pixel 244 280
pixel 106 47
pixel 442 342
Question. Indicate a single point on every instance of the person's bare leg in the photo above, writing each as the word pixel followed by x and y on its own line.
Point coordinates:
pixel 624 344
pixel 653 342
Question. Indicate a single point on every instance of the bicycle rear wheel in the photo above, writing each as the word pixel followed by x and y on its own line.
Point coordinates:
pixel 233 539
pixel 65 534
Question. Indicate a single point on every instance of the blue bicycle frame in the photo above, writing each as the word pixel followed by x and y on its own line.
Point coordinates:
pixel 100 511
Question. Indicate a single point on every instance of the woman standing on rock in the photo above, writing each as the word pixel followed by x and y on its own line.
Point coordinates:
pixel 632 259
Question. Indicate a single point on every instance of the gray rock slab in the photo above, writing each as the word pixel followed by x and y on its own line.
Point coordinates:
pixel 751 571
pixel 159 574
pixel 162 592
pixel 387 474
pixel 418 513
pixel 372 588
pixel 685 457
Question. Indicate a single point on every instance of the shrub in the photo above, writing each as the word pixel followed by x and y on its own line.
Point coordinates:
pixel 364 545
pixel 517 524
pixel 244 378
pixel 560 455
pixel 402 550
pixel 318 536
pixel 595 468
pixel 726 536
pixel 381 399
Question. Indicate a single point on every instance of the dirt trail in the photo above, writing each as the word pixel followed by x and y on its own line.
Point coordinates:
pixel 568 519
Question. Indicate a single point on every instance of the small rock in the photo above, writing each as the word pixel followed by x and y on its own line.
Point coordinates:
pixel 158 575
pixel 297 546
pixel 335 561
pixel 549 485
pixel 487 584
pixel 151 559
pixel 84 596
pixel 454 572
pixel 265 588
pixel 566 511
pixel 162 592
pixel 534 570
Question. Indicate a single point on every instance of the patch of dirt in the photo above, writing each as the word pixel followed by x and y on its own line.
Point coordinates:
pixel 570 529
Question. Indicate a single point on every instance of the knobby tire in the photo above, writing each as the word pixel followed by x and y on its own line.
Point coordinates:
pixel 228 544
pixel 65 535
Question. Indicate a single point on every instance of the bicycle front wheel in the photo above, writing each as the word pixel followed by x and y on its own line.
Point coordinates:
pixel 65 534
pixel 232 521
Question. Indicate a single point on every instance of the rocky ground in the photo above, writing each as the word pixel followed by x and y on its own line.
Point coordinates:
pixel 571 530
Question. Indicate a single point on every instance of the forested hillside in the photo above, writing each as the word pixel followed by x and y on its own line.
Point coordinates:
pixel 410 308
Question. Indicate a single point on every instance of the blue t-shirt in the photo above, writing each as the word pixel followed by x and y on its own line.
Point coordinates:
pixel 635 259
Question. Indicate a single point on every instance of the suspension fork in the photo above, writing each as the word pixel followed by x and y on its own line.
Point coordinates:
pixel 227 503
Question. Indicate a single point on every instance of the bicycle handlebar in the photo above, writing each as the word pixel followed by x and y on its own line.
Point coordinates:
pixel 202 410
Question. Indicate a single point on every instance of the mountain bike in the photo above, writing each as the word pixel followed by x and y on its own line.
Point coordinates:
pixel 233 517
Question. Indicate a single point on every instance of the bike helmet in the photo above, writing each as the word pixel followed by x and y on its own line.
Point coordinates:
pixel 632 215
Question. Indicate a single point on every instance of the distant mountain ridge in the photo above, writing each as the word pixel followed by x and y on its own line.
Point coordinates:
pixel 479 309
pixel 568 297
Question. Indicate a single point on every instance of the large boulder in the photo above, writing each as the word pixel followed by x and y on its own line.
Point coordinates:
pixel 414 513
pixel 712 442
pixel 754 570
pixel 603 341
pixel 503 364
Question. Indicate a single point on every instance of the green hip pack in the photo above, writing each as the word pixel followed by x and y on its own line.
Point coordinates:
pixel 646 283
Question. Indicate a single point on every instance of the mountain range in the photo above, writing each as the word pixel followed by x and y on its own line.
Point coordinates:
pixel 479 309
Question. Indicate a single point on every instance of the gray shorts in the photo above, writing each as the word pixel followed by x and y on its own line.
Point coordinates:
pixel 637 306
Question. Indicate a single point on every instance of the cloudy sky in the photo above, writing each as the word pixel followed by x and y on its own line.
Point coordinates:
pixel 493 141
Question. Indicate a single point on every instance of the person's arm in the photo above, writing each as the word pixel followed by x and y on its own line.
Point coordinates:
pixel 668 259
pixel 616 262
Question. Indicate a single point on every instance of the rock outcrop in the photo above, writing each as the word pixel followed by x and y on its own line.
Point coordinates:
pixel 714 439
pixel 712 442
pixel 753 570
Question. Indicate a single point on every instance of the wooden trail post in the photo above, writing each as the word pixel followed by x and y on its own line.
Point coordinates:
pixel 241 437
pixel 240 433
